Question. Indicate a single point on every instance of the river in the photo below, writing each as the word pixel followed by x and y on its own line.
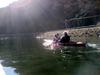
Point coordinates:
pixel 27 56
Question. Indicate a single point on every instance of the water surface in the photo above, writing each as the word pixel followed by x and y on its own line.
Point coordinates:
pixel 26 56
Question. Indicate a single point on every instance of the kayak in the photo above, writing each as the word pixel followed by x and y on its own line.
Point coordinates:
pixel 69 44
pixel 49 44
pixel 74 44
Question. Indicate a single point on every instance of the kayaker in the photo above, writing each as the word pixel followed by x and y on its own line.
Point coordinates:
pixel 56 40
pixel 65 38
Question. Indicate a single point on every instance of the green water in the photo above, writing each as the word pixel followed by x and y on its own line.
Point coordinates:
pixel 28 57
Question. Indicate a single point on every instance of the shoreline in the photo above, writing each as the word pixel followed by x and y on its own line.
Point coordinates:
pixel 79 34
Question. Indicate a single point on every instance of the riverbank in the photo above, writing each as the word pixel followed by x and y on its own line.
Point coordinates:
pixel 77 34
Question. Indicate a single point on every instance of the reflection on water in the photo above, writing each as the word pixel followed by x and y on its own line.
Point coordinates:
pixel 6 70
pixel 25 56
pixel 9 71
pixel 2 72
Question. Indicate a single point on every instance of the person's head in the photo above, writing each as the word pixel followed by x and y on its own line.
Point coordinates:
pixel 56 35
pixel 65 33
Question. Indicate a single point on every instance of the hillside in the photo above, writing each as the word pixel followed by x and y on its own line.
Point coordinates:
pixel 45 15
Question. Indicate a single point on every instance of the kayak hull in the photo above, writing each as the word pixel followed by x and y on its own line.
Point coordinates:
pixel 74 44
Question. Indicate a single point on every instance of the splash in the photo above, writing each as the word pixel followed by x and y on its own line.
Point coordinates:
pixel 97 46
pixel 48 44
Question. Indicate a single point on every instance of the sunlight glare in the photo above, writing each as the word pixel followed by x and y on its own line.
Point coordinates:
pixel 1 70
pixel 5 3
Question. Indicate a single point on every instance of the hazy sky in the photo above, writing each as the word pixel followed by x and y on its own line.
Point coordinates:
pixel 5 3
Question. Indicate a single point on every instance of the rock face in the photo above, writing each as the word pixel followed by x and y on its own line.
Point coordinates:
pixel 44 15
pixel 80 8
